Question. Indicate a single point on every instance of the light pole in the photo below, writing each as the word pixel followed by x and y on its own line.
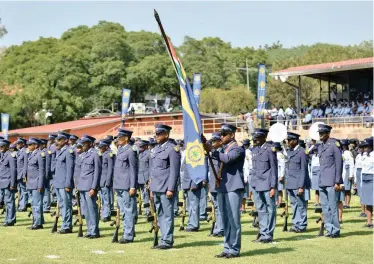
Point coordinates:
pixel 247 71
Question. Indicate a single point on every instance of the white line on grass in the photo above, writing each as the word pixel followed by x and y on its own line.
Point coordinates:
pixel 98 252
pixel 52 257
pixel 12 259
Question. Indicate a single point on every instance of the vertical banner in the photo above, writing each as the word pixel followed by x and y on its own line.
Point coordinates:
pixel 261 89
pixel 197 87
pixel 167 103
pixel 5 125
pixel 125 103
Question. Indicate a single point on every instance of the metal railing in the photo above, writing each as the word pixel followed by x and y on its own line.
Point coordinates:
pixel 210 125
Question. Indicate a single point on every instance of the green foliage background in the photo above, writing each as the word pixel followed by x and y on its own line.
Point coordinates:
pixel 87 67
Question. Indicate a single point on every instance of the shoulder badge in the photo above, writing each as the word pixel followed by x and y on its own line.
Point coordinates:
pixel 272 149
pixel 49 152
pixel 337 144
pixel 176 148
pixel 14 154
pixel 70 151
pixel 42 154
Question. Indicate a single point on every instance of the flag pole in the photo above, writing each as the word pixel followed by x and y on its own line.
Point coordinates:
pixel 157 17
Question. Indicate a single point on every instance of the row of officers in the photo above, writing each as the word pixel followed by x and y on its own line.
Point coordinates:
pixel 161 166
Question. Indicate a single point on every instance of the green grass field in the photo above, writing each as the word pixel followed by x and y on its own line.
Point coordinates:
pixel 19 245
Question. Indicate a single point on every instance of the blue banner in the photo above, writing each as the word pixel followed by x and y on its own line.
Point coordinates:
pixel 197 87
pixel 261 89
pixel 125 102
pixel 5 125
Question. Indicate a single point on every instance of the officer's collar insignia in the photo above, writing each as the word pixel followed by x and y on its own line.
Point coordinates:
pixel 49 152
pixel 99 153
pixel 306 152
pixel 176 148
pixel 42 154
pixel 134 148
pixel 272 149
pixel 27 151
pixel 70 151
pixel 13 154
pixel 337 144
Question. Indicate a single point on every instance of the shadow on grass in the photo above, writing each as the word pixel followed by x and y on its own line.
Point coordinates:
pixel 296 238
pixel 359 220
pixel 357 233
pixel 264 251
pixel 150 239
pixel 199 244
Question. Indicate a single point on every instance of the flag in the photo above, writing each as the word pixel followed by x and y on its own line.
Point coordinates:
pixel 194 151
pixel 125 103
pixel 261 89
pixel 197 87
pixel 4 125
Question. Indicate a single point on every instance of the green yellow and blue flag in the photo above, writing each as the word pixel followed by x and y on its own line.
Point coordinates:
pixel 194 150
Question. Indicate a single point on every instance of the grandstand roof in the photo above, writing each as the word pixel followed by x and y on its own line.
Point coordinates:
pixel 324 68
pixel 76 124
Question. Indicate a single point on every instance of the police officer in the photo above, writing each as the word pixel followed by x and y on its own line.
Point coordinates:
pixel 193 193
pixel 264 182
pixel 231 189
pixel 143 173
pixel 297 176
pixel 77 171
pixel 8 181
pixel 348 171
pixel 368 181
pixel 164 174
pixel 106 178
pixel 51 163
pixel 125 183
pixel 281 159
pixel 331 164
pixel 358 171
pixel 216 147
pixel 21 180
pixel 314 171
pixel 63 181
pixel 73 141
pixel 88 185
pixel 36 176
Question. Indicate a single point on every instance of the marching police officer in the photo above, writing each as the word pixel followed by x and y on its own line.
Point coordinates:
pixel 164 174
pixel 216 147
pixel 106 178
pixel 231 189
pixel 125 183
pixel 8 181
pixel 297 176
pixel 21 180
pixel 63 181
pixel 331 165
pixel 264 182
pixel 36 176
pixel 88 185
pixel 143 173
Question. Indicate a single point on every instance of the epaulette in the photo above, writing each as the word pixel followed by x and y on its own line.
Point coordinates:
pixel 176 148
pixel 42 154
